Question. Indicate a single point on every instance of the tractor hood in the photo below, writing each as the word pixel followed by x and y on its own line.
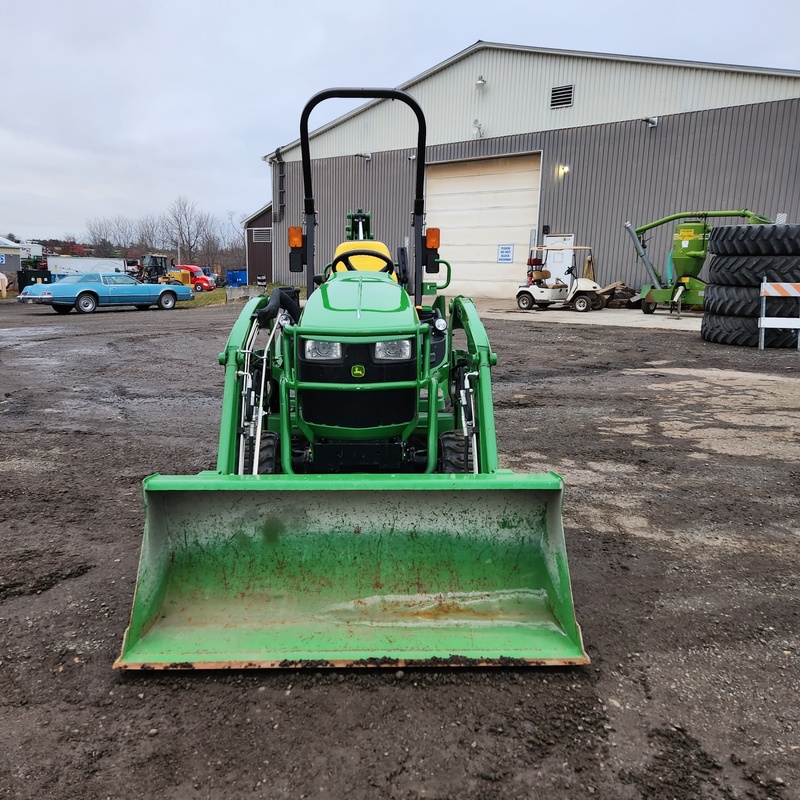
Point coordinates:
pixel 354 302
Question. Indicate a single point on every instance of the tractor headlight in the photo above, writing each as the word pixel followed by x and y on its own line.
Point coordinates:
pixel 323 351
pixel 397 350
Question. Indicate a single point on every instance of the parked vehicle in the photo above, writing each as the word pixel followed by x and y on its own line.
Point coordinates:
pixel 152 268
pixel 85 293
pixel 357 514
pixel 69 265
pixel 219 280
pixel 582 294
pixel 199 280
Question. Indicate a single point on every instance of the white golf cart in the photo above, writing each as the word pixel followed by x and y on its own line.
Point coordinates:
pixel 582 294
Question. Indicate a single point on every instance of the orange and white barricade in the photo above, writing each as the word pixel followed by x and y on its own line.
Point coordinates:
pixel 778 290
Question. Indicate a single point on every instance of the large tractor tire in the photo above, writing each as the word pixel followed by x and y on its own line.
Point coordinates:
pixel 745 301
pixel 755 240
pixel 743 331
pixel 750 270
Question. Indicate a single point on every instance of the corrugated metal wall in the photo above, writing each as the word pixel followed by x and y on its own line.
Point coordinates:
pixel 728 158
pixel 383 185
pixel 516 97
pixel 259 254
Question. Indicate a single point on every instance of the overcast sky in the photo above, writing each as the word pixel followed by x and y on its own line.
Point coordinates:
pixel 113 107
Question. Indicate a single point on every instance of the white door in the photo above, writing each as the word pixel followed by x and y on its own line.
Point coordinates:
pixel 485 210
pixel 558 261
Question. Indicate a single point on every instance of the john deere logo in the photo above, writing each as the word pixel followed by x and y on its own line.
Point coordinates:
pixel 357 371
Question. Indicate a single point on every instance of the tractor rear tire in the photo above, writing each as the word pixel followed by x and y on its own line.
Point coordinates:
pixel 455 455
pixel 745 301
pixel 751 270
pixel 648 308
pixel 755 240
pixel 599 302
pixel 743 331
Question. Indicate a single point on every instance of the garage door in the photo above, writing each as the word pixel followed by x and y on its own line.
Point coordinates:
pixel 486 210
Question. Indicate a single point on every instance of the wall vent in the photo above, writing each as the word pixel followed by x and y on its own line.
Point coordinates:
pixel 262 234
pixel 561 96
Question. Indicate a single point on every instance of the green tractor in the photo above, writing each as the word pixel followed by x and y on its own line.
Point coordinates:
pixel 357 515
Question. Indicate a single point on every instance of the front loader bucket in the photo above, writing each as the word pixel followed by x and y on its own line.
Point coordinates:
pixel 367 570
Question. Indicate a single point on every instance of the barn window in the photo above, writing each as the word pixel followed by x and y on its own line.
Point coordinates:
pixel 262 234
pixel 561 96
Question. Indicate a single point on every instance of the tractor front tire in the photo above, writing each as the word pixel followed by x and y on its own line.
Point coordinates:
pixel 268 455
pixel 454 453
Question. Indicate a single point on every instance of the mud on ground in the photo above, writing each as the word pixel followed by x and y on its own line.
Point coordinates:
pixel 682 462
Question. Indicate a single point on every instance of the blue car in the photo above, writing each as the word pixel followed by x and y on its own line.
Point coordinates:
pixel 86 292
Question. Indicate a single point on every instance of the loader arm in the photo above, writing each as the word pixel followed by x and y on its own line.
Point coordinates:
pixel 481 360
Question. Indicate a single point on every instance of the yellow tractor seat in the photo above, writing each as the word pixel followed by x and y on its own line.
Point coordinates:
pixel 363 262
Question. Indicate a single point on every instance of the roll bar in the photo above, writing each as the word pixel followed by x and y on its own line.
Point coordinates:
pixel 419 183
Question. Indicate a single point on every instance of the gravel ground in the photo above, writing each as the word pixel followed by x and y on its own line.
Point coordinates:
pixel 682 463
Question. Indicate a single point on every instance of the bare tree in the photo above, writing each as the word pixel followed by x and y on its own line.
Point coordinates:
pixel 186 226
pixel 100 236
pixel 234 243
pixel 210 244
pixel 123 232
pixel 194 236
pixel 150 233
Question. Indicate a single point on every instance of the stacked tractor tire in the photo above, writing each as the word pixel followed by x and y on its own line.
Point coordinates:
pixel 742 256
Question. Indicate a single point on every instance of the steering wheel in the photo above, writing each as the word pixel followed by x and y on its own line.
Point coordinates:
pixel 569 270
pixel 344 258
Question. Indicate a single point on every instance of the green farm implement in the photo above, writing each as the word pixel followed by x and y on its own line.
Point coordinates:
pixel 681 284
pixel 357 515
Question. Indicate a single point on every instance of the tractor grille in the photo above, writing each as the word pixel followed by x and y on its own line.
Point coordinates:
pixel 357 409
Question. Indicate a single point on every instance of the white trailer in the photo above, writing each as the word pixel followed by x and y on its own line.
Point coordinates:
pixel 61 266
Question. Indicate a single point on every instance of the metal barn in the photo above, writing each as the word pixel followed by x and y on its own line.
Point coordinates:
pixel 530 145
